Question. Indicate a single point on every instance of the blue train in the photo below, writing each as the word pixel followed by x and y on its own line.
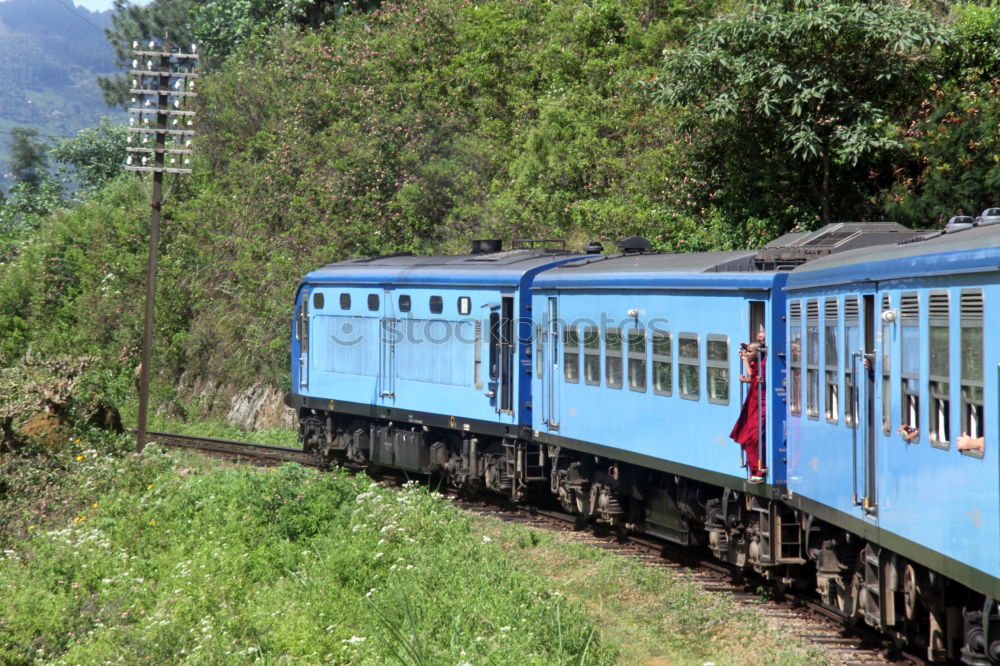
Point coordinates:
pixel 612 383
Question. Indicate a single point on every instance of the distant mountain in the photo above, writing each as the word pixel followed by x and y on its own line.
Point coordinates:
pixel 50 53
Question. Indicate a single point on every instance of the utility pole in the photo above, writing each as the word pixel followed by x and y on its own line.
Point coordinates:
pixel 162 124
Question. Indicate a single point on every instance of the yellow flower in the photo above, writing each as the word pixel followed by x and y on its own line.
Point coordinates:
pixel 94 505
pixel 31 527
pixel 152 522
pixel 149 487
pixel 79 458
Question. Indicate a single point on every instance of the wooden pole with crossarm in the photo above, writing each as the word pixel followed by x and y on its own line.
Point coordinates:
pixel 161 127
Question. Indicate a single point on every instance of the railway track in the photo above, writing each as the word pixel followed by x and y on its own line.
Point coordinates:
pixel 787 612
pixel 261 454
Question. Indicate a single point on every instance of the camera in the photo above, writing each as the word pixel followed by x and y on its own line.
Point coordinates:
pixel 743 346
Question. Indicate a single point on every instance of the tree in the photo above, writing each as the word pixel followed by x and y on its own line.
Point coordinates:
pixel 801 97
pixel 95 154
pixel 28 156
pixel 220 26
pixel 129 23
pixel 954 148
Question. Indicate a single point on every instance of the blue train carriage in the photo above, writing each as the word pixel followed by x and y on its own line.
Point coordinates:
pixel 892 435
pixel 414 362
pixel 636 391
pixel 636 381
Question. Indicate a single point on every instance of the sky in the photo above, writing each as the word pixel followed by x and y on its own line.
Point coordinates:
pixel 101 5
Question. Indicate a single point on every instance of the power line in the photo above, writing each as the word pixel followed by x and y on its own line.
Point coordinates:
pixel 80 16
pixel 43 136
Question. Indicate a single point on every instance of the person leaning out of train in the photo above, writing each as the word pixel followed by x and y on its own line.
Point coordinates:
pixel 967 443
pixel 910 434
pixel 748 431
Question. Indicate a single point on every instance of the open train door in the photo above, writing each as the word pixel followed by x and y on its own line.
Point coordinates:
pixel 501 346
pixel 551 374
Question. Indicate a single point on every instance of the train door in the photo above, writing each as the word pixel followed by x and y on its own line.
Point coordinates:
pixel 553 373
pixel 868 415
pixel 501 355
pixel 302 335
pixel 388 331
pixel 860 385
pixel 757 322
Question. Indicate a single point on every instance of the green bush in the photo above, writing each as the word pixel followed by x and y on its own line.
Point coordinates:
pixel 164 563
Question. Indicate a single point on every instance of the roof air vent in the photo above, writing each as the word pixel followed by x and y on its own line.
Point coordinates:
pixel 487 246
pixel 634 245
pixel 593 247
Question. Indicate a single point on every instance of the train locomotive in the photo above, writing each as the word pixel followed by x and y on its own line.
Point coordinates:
pixel 610 383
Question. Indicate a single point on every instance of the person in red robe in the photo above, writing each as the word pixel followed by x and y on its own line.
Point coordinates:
pixel 749 429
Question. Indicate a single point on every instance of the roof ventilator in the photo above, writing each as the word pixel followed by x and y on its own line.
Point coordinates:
pixel 486 246
pixel 634 245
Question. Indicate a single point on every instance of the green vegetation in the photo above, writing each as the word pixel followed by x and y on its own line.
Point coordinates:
pixel 415 126
pixel 171 558
pixel 334 129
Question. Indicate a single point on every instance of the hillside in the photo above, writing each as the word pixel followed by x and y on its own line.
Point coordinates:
pixel 417 126
pixel 50 52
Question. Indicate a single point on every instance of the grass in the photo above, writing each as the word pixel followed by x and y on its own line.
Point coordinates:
pixel 652 615
pixel 173 558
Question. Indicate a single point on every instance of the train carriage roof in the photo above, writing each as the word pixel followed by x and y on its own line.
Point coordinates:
pixel 973 250
pixel 740 269
pixel 694 270
pixel 494 269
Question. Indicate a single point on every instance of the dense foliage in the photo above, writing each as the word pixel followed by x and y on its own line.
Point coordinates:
pixel 162 565
pixel 803 94
pixel 395 126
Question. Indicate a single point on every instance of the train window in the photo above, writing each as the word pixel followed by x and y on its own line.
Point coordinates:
pixel 539 350
pixel 717 369
pixel 812 359
pixel 853 363
pixel 318 301
pixel 938 366
pixel 886 368
pixel 637 359
pixel 373 302
pixel 663 367
pixel 436 304
pixel 831 358
pixel 404 303
pixel 477 355
pixel 464 305
pixel 613 362
pixel 909 345
pixel 592 356
pixel 688 361
pixel 795 357
pixel 345 301
pixel 571 354
pixel 972 439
